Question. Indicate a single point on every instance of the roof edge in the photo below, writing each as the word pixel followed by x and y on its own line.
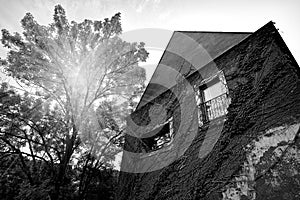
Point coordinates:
pixel 270 23
pixel 225 32
pixel 138 105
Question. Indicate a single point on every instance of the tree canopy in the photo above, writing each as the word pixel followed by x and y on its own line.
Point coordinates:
pixel 78 82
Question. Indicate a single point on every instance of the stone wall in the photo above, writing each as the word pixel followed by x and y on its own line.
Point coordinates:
pixel 264 87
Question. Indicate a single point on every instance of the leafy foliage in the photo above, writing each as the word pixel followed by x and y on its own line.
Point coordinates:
pixel 80 81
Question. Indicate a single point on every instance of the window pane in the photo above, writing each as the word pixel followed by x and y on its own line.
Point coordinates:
pixel 213 91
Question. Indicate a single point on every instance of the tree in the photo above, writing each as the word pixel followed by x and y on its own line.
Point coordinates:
pixel 83 76
pixel 23 126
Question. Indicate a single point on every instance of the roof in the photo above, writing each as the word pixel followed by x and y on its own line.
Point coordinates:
pixel 186 52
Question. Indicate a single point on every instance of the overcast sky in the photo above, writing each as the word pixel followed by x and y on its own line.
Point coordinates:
pixel 197 15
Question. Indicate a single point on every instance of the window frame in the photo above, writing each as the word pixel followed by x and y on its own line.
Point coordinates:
pixel 155 139
pixel 203 115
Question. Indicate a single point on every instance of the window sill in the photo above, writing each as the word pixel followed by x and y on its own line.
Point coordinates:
pixel 164 149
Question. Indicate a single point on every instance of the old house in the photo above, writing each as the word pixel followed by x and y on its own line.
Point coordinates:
pixel 219 120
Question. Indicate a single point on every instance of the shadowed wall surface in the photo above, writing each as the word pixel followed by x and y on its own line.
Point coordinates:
pixel 257 153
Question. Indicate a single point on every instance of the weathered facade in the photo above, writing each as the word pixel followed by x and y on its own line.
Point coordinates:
pixel 227 128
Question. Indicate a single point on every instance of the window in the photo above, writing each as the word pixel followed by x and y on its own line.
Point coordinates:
pixel 212 99
pixel 164 135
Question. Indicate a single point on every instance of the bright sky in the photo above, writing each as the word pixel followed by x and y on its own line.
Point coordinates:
pixel 197 15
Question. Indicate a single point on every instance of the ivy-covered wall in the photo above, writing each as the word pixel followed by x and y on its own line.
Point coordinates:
pixel 264 86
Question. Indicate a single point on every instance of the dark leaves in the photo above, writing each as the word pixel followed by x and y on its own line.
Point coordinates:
pixel 60 20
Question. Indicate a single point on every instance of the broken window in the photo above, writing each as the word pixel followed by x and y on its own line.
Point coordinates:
pixel 164 135
pixel 212 99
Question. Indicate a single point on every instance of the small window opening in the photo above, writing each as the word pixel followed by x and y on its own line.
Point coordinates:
pixel 163 137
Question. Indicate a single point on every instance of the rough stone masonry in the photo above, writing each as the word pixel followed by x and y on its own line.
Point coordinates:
pixel 257 153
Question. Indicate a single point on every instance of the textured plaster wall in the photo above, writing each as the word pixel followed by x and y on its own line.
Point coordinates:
pixel 273 148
